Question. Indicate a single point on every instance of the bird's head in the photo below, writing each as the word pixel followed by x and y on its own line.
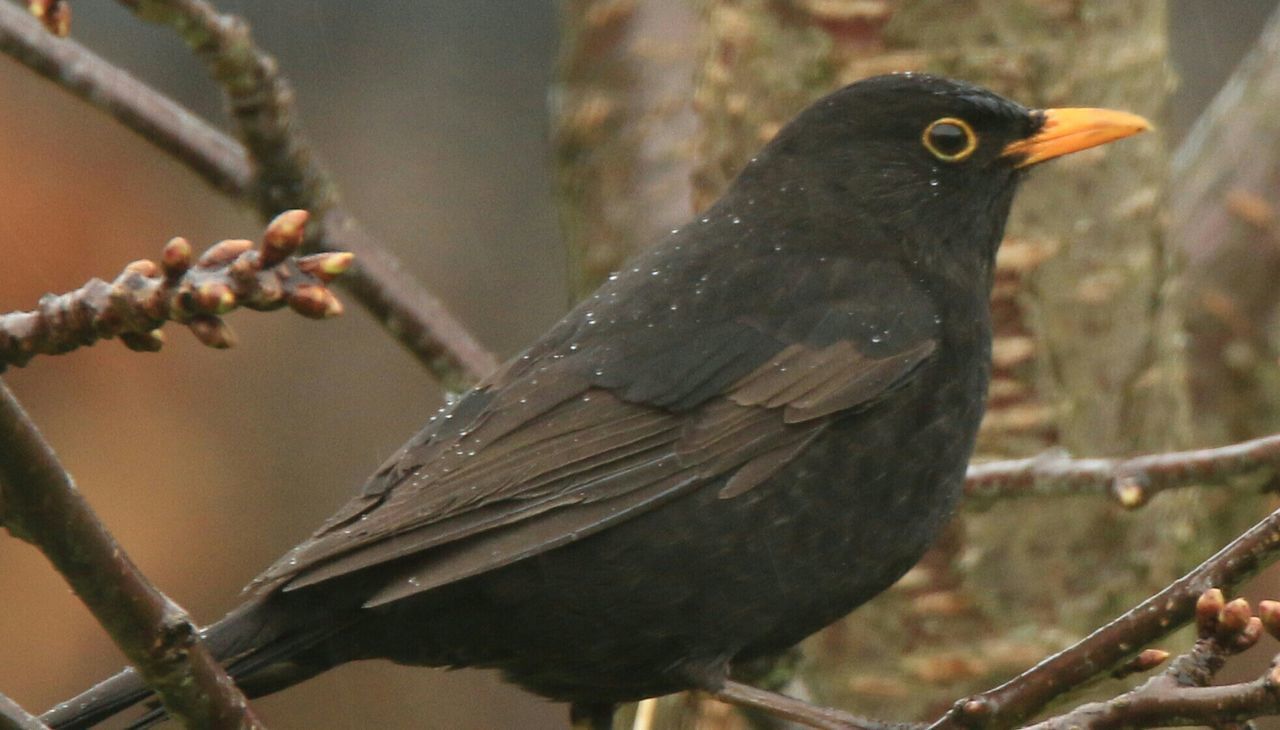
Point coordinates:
pixel 922 156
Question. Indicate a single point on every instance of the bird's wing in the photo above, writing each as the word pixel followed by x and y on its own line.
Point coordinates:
pixel 554 448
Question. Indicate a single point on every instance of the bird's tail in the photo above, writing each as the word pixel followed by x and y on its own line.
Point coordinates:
pixel 255 649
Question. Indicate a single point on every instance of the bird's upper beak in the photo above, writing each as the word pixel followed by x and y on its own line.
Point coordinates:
pixel 1070 130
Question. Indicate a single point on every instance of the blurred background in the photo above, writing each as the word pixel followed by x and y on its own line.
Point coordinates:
pixel 433 117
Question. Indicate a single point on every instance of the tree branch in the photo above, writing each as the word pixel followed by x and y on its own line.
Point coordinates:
pixel 1130 481
pixel 379 282
pixel 40 504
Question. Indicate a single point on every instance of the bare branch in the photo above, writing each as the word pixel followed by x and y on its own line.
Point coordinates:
pixel 41 505
pixel 13 717
pixel 1132 481
pixel 1108 647
pixel 146 295
pixel 379 282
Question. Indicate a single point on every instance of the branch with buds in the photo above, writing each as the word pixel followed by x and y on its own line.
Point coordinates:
pixel 196 293
pixel 277 169
pixel 1181 694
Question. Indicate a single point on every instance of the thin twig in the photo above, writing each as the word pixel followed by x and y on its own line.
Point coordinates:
pixel 13 717
pixel 42 506
pixel 379 281
pixel 1130 481
pixel 1107 647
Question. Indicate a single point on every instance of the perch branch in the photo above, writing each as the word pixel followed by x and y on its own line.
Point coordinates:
pixel 41 505
pixel 146 295
pixel 1130 481
pixel 380 282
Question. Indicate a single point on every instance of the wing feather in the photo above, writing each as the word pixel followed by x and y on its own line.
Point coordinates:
pixel 542 456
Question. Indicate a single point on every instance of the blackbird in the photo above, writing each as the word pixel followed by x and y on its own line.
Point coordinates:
pixel 756 426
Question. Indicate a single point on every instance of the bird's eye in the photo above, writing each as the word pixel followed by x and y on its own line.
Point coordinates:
pixel 950 139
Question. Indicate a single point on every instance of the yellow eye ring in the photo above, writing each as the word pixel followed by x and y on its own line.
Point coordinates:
pixel 949 139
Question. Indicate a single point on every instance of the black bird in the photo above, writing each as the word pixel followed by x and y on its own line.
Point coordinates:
pixel 758 425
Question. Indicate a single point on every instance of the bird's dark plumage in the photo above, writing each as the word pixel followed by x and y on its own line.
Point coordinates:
pixel 756 426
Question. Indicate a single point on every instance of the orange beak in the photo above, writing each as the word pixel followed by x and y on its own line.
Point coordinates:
pixel 1070 130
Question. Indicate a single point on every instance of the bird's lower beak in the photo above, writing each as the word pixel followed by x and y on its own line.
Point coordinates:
pixel 1070 130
